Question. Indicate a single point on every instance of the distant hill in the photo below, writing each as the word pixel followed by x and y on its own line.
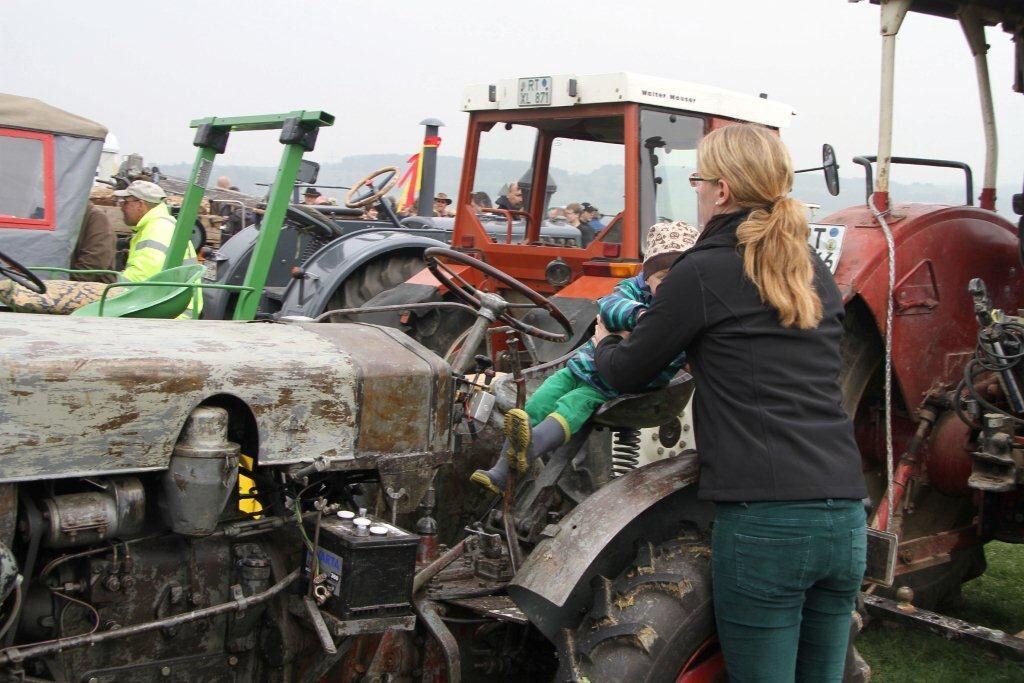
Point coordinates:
pixel 601 187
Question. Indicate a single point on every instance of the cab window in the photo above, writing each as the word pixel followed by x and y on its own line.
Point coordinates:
pixel 668 155
pixel 26 180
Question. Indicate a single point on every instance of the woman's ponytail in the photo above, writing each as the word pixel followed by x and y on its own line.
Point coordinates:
pixel 776 258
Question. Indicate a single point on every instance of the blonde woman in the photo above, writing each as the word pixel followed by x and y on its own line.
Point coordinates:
pixel 760 319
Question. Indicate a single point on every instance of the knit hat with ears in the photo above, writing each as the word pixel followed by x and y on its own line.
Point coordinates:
pixel 665 243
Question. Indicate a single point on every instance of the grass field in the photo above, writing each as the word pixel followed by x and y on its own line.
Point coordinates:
pixel 996 600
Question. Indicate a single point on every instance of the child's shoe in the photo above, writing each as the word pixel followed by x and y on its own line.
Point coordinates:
pixel 517 431
pixel 484 478
pixel 493 479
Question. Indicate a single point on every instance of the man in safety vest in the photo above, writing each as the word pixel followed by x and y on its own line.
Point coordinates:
pixel 143 208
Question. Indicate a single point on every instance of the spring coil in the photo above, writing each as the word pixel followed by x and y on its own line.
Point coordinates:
pixel 625 451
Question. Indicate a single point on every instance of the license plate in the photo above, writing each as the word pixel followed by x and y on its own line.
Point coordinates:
pixel 210 270
pixel 535 92
pixel 827 240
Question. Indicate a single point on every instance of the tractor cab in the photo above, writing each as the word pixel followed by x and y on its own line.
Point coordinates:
pixel 537 146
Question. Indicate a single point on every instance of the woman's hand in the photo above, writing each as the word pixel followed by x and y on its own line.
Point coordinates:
pixel 600 332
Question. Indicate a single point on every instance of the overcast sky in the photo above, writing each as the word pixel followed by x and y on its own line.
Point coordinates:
pixel 145 69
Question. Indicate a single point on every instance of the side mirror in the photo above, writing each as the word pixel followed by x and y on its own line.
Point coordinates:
pixel 831 168
pixel 309 170
pixel 828 163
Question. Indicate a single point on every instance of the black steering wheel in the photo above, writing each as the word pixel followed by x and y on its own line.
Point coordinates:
pixel 357 197
pixel 468 294
pixel 20 274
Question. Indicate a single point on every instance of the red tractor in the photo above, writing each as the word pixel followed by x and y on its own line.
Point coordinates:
pixel 641 133
pixel 932 291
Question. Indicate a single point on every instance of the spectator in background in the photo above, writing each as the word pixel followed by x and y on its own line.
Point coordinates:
pixel 95 247
pixel 370 212
pixel 479 201
pixel 224 183
pixel 310 196
pixel 556 214
pixel 573 214
pixel 592 216
pixel 512 200
pixel 441 204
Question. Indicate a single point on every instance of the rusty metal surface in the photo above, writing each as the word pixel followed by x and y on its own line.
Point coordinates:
pixel 938 249
pixel 553 569
pixel 994 640
pixel 498 607
pixel 90 396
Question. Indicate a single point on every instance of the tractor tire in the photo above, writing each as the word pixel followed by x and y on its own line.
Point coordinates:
pixel 647 623
pixel 861 380
pixel 377 275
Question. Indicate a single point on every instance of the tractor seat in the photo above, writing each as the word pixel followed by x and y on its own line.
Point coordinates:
pixel 167 302
pixel 649 409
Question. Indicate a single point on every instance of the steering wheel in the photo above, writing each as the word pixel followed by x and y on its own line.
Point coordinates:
pixel 356 199
pixel 20 274
pixel 468 294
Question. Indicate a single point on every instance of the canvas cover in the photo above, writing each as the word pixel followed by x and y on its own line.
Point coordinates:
pixel 27 113
pixel 77 144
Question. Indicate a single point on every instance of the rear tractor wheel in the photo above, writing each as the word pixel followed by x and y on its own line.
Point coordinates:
pixel 653 621
pixel 373 277
pixel 861 380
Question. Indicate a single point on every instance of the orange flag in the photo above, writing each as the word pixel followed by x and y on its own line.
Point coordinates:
pixel 409 184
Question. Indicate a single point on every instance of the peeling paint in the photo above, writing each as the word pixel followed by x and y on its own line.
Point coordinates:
pixel 117 403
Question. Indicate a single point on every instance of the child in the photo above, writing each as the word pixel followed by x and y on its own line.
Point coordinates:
pixel 567 399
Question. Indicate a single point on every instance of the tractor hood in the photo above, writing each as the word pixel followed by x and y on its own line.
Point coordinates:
pixel 89 396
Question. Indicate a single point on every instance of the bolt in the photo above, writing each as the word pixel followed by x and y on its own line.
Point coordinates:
pixel 128 583
pixel 93 679
pixel 196 598
pixel 232 660
pixel 906 558
pixel 686 428
pixel 905 594
pixel 165 671
pixel 112 583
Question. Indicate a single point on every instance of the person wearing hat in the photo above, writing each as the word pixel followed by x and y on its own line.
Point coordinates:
pixel 144 210
pixel 591 215
pixel 441 204
pixel 311 196
pixel 567 399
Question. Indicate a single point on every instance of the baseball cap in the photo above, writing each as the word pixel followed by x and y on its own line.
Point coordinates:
pixel 144 190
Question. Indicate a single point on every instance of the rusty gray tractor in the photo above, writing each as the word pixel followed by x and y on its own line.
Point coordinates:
pixel 288 501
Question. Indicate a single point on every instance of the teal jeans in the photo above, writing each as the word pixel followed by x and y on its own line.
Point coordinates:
pixel 785 578
pixel 565 395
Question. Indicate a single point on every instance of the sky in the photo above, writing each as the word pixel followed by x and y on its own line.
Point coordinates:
pixel 145 69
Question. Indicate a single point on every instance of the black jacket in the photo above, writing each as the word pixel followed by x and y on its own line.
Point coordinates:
pixel 768 414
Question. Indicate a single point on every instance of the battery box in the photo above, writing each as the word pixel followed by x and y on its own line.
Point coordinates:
pixel 366 566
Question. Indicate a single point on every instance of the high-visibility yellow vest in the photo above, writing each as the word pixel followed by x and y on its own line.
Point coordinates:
pixel 147 251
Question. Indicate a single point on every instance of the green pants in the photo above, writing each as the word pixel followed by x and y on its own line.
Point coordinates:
pixel 566 396
pixel 785 578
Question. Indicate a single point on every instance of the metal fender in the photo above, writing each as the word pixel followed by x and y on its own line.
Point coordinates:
pixel 599 536
pixel 938 250
pixel 325 270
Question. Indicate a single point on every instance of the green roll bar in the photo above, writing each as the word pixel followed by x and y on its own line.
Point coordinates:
pixel 298 135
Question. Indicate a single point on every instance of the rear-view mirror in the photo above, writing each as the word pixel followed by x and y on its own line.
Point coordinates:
pixel 828 163
pixel 308 172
